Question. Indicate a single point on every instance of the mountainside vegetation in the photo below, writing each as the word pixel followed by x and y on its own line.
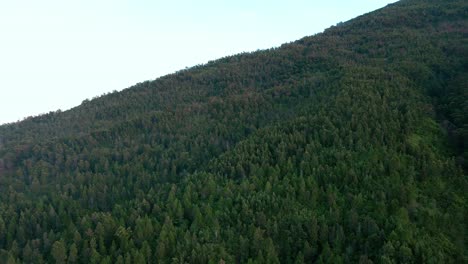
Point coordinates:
pixel 346 146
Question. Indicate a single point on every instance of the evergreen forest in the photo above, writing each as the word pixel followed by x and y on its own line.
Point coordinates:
pixel 348 146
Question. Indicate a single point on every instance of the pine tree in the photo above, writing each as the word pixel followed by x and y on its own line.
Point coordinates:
pixel 59 252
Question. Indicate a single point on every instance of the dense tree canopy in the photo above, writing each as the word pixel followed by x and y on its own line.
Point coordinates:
pixel 346 146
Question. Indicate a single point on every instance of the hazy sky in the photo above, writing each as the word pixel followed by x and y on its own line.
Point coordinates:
pixel 56 53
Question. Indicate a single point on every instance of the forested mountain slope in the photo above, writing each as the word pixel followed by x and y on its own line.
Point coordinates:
pixel 346 146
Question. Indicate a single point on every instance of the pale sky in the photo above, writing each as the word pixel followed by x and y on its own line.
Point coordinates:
pixel 56 53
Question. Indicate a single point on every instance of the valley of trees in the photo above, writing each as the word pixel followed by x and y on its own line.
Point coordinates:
pixel 349 146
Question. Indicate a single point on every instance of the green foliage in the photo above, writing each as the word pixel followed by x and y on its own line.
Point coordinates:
pixel 347 146
pixel 59 252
